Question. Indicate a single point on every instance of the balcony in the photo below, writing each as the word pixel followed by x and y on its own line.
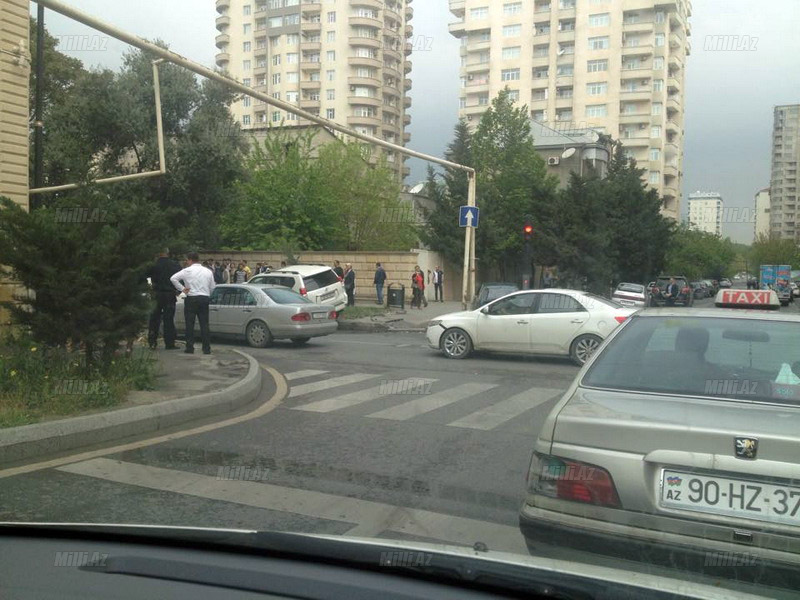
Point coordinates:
pixel 364 61
pixel 223 22
pixel 367 121
pixel 642 71
pixel 392 110
pixel 640 27
pixel 540 61
pixel 673 85
pixel 407 66
pixel 365 100
pixel 409 31
pixel 675 40
pixel 407 83
pixel 373 4
pixel 670 190
pixel 640 95
pixel 635 141
pixel 366 42
pixel 633 118
pixel 457 29
pixel 477 67
pixel 311 26
pixel 406 120
pixel 310 46
pixel 408 49
pixel 222 59
pixel 409 13
pixel 563 102
pixel 673 105
pixel 406 137
pixel 310 7
pixel 223 39
pixel 307 103
pixel 223 5
pixel 310 66
pixel 391 71
pixel 407 102
pixel 391 13
pixel 310 85
pixel 640 50
pixel 475 87
pixel 393 53
pixel 357 21
pixel 675 63
pixel 373 82
pixel 457 7
pixel 391 91
pixel 671 171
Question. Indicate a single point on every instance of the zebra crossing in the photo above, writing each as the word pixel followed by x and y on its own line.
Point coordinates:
pixel 487 405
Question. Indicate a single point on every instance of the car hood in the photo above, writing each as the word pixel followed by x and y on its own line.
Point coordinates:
pixel 463 314
pixel 647 423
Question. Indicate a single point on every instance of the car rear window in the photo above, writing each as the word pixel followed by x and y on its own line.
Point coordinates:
pixel 285 280
pixel 320 280
pixel 757 360
pixel 606 301
pixel 630 287
pixel 282 296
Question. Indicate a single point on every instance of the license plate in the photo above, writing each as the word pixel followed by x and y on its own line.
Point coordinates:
pixel 320 315
pixel 731 497
pixel 327 296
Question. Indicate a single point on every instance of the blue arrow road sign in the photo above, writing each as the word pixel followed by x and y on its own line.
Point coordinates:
pixel 468 216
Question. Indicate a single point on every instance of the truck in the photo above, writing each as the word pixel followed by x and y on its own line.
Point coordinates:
pixel 777 277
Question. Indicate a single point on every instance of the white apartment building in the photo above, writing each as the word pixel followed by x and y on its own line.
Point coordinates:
pixel 705 212
pixel 784 217
pixel 345 60
pixel 617 66
pixel 762 211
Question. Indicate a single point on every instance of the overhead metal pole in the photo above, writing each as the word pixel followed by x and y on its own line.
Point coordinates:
pixel 38 124
pixel 471 201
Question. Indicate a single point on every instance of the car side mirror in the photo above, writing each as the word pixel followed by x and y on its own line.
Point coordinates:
pixel 485 310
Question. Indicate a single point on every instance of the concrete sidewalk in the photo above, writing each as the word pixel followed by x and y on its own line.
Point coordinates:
pixel 188 387
pixel 408 319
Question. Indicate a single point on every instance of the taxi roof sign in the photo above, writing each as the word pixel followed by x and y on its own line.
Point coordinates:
pixel 759 299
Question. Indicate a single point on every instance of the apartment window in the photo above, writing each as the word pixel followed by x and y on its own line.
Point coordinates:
pixel 292 58
pixel 481 12
pixel 330 55
pixel 330 113
pixel 596 110
pixel 313 76
pixel 483 99
pixel 595 66
pixel 246 101
pixel 541 73
pixel 291 116
pixel 566 25
pixel 363 92
pixel 292 39
pixel 659 40
pixel 483 36
pixel 658 85
pixel 292 97
pixel 331 36
pixel 513 95
pixel 657 106
pixel 246 46
pixel 332 17
pixel 565 70
pixel 598 43
pixel 293 77
pixel 540 94
pixel 599 20
pixel 660 16
pixel 462 103
pixel 563 92
pixel 276 21
pixel 655 177
pixel 246 81
pixel 276 59
pixel 246 28
pixel 330 94
pixel 539 115
pixel 541 51
pixel 276 79
pixel 246 10
pixel 655 154
pixel 512 52
pixel 658 63
pixel 512 8
pixel 275 41
pixel 597 88
pixel 245 119
pixel 566 48
pixel 509 75
pixel 512 30
pixel 331 75
pixel 365 72
pixel 246 64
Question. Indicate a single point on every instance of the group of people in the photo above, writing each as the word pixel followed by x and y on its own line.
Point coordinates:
pixel 226 271
pixel 418 299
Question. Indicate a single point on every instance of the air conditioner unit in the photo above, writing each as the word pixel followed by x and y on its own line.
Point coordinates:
pixel 469 117
pixel 553 160
pixel 642 125
pixel 470 77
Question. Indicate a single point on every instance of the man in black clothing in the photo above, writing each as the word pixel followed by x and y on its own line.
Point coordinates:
pixel 165 297
pixel 671 292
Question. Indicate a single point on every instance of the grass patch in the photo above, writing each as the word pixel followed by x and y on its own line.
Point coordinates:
pixel 38 382
pixel 358 312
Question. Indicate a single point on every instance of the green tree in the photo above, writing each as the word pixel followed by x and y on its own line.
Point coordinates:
pixel 768 250
pixel 698 254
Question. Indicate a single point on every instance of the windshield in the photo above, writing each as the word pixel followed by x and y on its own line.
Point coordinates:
pixel 402 165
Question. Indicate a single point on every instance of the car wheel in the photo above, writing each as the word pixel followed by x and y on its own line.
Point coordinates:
pixel 300 341
pixel 583 347
pixel 456 343
pixel 258 334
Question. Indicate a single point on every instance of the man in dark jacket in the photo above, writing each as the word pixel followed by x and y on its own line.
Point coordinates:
pixel 165 297
pixel 350 284
pixel 380 279
pixel 671 292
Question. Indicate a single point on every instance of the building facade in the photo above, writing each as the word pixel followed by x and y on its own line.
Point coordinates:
pixel 761 214
pixel 347 61
pixel 784 222
pixel 570 151
pixel 705 212
pixel 15 63
pixel 617 66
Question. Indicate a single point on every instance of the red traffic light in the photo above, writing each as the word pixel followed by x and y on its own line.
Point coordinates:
pixel 528 229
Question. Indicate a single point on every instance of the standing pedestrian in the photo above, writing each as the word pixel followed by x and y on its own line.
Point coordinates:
pixel 337 268
pixel 165 297
pixel 219 273
pixel 240 275
pixel 197 283
pixel 226 271
pixel 283 264
pixel 438 279
pixel 350 284
pixel 379 280
pixel 248 271
pixel 418 287
pixel 671 292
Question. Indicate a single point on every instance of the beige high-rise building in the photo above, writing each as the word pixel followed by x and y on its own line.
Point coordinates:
pixel 784 216
pixel 761 216
pixel 705 212
pixel 347 61
pixel 613 65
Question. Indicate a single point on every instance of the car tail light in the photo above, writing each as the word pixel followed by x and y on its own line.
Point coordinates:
pixel 332 314
pixel 654 290
pixel 340 278
pixel 571 480
pixel 303 291
pixel 301 317
pixel 620 318
pixel 686 290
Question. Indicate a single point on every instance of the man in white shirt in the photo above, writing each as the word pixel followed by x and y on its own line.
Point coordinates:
pixel 198 283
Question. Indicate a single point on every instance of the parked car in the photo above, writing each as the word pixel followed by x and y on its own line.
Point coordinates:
pixel 699 289
pixel 658 289
pixel 318 283
pixel 263 313
pixel 725 283
pixel 688 422
pixel 795 289
pixel 630 294
pixel 549 321
pixel 492 291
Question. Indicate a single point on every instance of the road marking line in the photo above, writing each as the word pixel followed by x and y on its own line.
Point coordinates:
pixel 302 374
pixel 420 406
pixel 505 410
pixel 281 389
pixel 309 388
pixel 369 517
pixel 361 396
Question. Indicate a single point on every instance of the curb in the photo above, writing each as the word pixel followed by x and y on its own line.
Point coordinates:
pixel 363 326
pixel 30 441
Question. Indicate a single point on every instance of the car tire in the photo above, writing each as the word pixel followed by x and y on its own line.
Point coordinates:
pixel 583 347
pixel 258 334
pixel 455 343
pixel 300 341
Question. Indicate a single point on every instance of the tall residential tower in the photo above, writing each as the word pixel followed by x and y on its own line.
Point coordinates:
pixel 784 217
pixel 617 66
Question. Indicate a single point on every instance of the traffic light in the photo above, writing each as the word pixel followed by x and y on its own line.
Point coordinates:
pixel 527 231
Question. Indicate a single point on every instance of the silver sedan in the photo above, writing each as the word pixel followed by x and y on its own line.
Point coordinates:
pixel 262 313
pixel 678 442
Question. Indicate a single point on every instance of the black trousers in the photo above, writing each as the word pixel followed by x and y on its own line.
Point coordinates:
pixel 351 296
pixel 437 291
pixel 197 306
pixel 164 311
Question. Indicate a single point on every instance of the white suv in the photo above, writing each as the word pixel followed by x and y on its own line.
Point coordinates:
pixel 318 283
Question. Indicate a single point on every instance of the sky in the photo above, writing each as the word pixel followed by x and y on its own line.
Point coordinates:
pixel 730 94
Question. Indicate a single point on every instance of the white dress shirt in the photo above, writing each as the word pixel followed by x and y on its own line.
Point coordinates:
pixel 197 278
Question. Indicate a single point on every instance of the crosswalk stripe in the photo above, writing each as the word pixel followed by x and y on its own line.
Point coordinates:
pixel 308 388
pixel 420 406
pixel 303 374
pixel 505 410
pixel 361 396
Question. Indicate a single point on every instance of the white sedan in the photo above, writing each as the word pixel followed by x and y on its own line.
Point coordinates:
pixel 550 322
